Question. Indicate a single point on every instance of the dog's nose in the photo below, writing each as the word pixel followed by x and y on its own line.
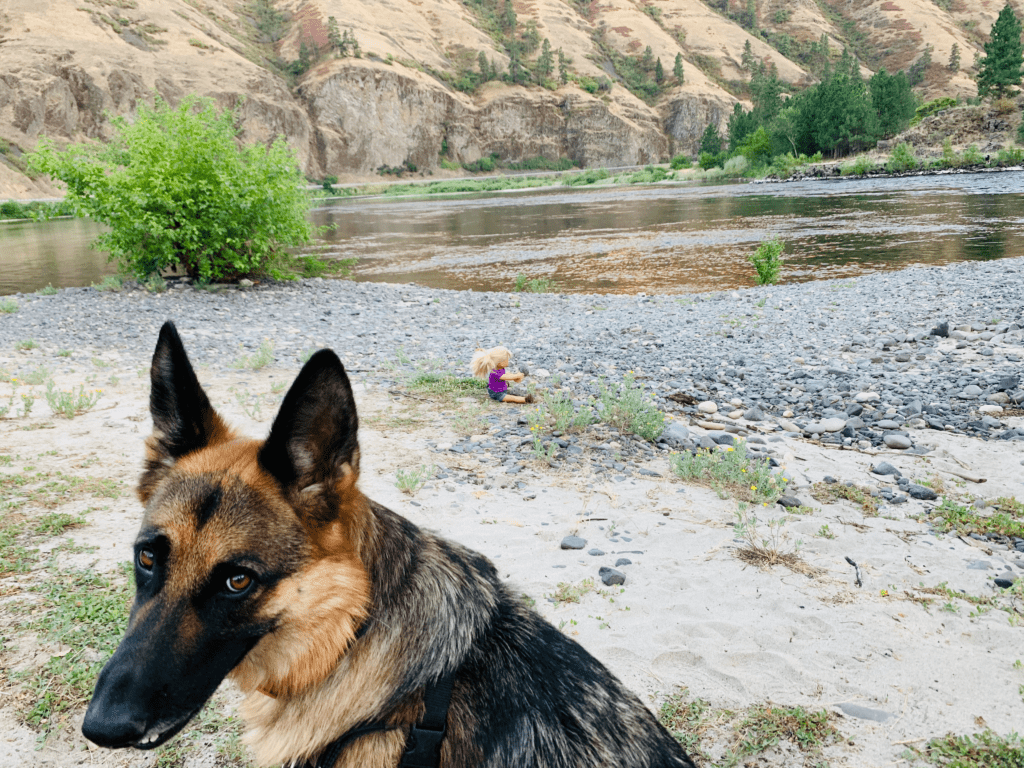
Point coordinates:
pixel 112 724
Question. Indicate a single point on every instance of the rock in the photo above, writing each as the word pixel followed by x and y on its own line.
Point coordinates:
pixel 788 414
pixel 971 392
pixel 897 442
pixel 737 414
pixel 833 424
pixel 723 438
pixel 1006 383
pixel 707 406
pixel 753 414
pixel 1005 581
pixel 922 492
pixel 675 433
pixel 623 561
pixel 790 501
pixel 867 397
pixel 941 330
pixel 990 409
pixel 573 542
pixel 595 552
pixel 885 468
pixel 854 409
pixel 1000 398
pixel 611 577
pixel 789 426
pixel 864 713
pixel 886 424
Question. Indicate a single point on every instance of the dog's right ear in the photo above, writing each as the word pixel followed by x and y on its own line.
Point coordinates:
pixel 183 419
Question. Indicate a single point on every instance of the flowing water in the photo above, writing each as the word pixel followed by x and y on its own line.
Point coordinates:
pixel 658 239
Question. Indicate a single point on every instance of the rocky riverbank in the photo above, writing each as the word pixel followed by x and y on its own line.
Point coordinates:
pixel 900 554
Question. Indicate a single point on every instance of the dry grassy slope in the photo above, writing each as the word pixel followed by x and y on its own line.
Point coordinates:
pixel 66 63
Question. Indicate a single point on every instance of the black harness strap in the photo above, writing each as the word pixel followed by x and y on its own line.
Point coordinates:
pixel 422 747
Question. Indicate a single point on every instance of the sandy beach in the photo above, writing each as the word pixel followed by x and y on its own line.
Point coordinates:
pixel 924 645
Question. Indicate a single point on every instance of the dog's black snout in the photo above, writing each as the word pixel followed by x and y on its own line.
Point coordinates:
pixel 112 725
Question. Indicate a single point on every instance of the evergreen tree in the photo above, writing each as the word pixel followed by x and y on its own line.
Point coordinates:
pixel 741 125
pixel 766 90
pixel 892 100
pixel 710 141
pixel 677 68
pixel 485 68
pixel 747 57
pixel 659 72
pixel 546 61
pixel 954 58
pixel 647 60
pixel 508 18
pixel 917 70
pixel 1000 68
pixel 563 67
pixel 334 35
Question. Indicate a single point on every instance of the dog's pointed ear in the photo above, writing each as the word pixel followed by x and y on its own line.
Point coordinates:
pixel 183 419
pixel 313 440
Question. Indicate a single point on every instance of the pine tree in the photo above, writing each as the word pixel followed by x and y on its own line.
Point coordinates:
pixel 545 62
pixel 659 72
pixel 710 141
pixel 677 68
pixel 563 67
pixel 485 69
pixel 954 58
pixel 917 70
pixel 334 35
pixel 647 60
pixel 1000 68
pixel 747 58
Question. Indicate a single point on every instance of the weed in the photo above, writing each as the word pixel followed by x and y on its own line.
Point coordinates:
pixel 38 376
pixel 766 549
pixel 261 358
pixel 767 260
pixel 49 290
pixel 155 283
pixel 537 285
pixel 446 385
pixel 250 405
pixel 629 409
pixel 68 403
pixel 8 306
pixel 825 532
pixel 109 283
pixel 684 720
pixel 56 523
pixel 1008 520
pixel 902 159
pixel 64 353
pixel 859 166
pixel 572 593
pixel 980 749
pixel 26 345
pixel 766 725
pixel 748 478
pixel 829 493
pixel 411 481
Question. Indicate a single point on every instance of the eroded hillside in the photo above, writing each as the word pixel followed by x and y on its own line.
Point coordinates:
pixel 624 82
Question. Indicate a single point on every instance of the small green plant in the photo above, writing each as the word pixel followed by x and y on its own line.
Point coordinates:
pixel 249 404
pixel 679 162
pixel 536 285
pixel 628 408
pixel 859 166
pixel 731 470
pixel 26 345
pixel 64 353
pixel 829 493
pixel 825 532
pixel 986 749
pixel 68 403
pixel 109 283
pixel 446 385
pixel 572 593
pixel 261 358
pixel 902 159
pixel 1007 519
pixel 49 290
pixel 155 283
pixel 8 306
pixel 766 548
pixel 767 260
pixel 412 480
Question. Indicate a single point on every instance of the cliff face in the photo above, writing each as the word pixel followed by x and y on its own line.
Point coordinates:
pixel 65 68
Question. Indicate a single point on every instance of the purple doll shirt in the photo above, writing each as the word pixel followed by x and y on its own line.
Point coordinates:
pixel 494 382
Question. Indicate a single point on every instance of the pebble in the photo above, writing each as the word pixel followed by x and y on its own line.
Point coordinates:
pixel 922 492
pixel 885 468
pixel 573 542
pixel 790 501
pixel 707 407
pixel 864 713
pixel 897 442
pixel 611 577
pixel 623 561
pixel 595 552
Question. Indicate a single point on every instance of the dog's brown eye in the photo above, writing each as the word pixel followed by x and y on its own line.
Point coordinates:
pixel 239 582
pixel 146 559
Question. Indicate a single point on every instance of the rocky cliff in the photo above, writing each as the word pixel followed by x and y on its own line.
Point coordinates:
pixel 67 66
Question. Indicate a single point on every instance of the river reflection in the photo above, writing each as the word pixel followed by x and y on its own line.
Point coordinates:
pixel 621 239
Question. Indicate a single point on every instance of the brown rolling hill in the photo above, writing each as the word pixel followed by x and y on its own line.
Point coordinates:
pixel 67 66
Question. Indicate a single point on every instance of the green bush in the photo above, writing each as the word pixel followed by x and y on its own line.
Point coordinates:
pixel 176 190
pixel 483 165
pixel 736 165
pixel 930 108
pixel 902 159
pixel 591 176
pixel 537 285
pixel 680 161
pixel 767 260
pixel 649 175
pixel 629 408
pixel 859 166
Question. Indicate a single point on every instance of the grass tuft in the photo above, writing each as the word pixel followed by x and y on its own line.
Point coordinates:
pixel 261 358
pixel 628 408
pixel 730 471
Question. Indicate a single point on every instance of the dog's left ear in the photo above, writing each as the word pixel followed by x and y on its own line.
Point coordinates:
pixel 313 440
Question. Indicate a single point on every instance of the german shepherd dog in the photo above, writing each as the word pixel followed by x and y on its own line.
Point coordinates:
pixel 261 561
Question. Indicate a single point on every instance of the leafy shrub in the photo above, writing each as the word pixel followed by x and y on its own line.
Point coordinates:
pixel 591 176
pixel 736 165
pixel 541 164
pixel 629 409
pixel 708 160
pixel 767 260
pixel 932 107
pixel 972 156
pixel 483 165
pixel 859 166
pixel 537 285
pixel 68 403
pixel 176 190
pixel 1010 156
pixel 680 161
pixel 649 175
pixel 902 159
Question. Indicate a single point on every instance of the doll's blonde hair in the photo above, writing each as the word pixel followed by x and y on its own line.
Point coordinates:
pixel 486 360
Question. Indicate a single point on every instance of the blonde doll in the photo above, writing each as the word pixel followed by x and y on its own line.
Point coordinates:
pixel 490 364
